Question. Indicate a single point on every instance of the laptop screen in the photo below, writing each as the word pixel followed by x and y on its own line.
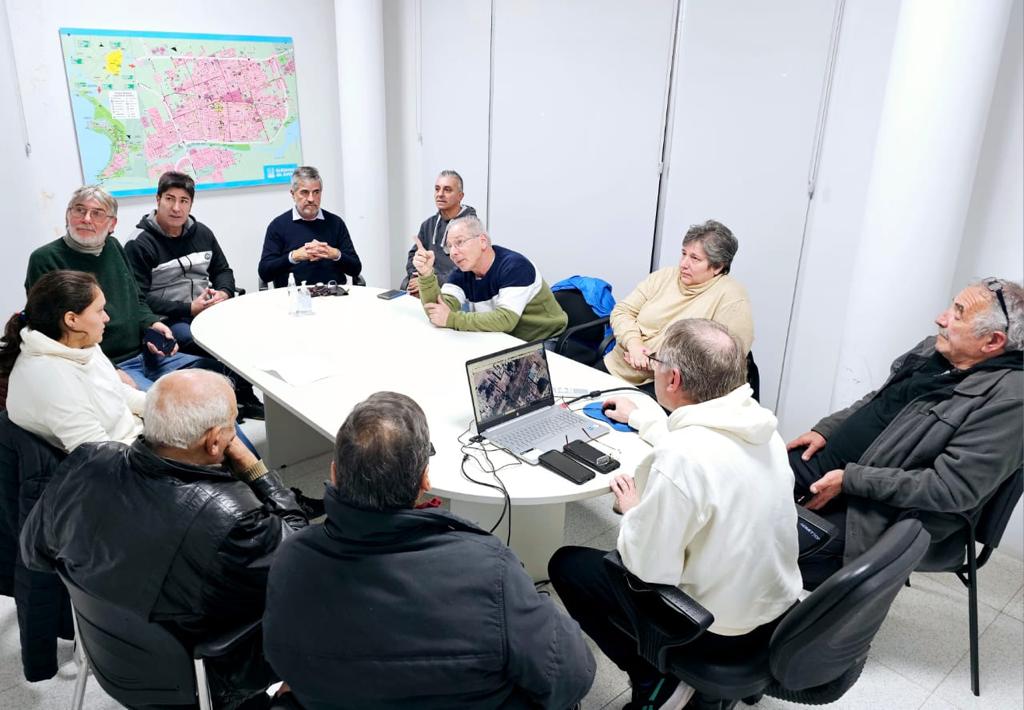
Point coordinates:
pixel 508 384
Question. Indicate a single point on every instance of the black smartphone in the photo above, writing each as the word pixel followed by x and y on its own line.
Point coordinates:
pixel 159 340
pixel 392 294
pixel 585 453
pixel 565 467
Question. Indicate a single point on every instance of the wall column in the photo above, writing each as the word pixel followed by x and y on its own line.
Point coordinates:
pixel 944 65
pixel 359 29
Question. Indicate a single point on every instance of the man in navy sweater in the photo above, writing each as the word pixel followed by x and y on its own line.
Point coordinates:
pixel 310 242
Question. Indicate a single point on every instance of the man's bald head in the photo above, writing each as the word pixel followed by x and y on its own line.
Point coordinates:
pixel 709 358
pixel 183 406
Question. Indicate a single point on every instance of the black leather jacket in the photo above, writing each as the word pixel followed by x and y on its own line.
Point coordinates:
pixel 187 545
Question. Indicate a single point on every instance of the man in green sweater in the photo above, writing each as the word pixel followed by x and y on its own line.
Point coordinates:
pixel 502 288
pixel 88 246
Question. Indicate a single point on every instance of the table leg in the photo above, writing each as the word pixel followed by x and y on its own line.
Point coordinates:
pixel 537 530
pixel 289 439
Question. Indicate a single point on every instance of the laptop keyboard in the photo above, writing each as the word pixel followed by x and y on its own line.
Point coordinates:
pixel 524 438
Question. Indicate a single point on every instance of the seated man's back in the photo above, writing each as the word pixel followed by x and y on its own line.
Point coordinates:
pixel 399 607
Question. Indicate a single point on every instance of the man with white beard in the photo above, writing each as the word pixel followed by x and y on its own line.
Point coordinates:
pixel 88 246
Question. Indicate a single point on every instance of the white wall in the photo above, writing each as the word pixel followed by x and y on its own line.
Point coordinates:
pixel 835 217
pixel 437 61
pixel 578 106
pixel 238 217
pixel 747 90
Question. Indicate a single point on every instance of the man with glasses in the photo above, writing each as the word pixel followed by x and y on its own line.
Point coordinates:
pixel 88 246
pixel 501 289
pixel 433 232
pixel 709 511
pixel 938 438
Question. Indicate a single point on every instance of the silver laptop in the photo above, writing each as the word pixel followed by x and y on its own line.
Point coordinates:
pixel 514 402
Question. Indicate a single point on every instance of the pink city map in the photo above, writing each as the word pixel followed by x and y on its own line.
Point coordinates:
pixel 222 108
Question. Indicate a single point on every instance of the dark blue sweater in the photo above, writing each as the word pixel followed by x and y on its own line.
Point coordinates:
pixel 285 235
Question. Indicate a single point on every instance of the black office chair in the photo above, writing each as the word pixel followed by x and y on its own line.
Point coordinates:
pixel 816 653
pixel 139 662
pixel 986 528
pixel 583 339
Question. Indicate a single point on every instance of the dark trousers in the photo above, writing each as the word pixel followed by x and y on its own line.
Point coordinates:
pixel 825 562
pixel 582 581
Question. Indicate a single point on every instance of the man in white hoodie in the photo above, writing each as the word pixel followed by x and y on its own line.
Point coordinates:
pixel 709 510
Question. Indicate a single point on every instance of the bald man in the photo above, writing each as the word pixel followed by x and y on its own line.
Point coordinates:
pixel 197 522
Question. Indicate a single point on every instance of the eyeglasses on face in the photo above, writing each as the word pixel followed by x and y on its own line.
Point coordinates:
pixel 449 247
pixel 996 287
pixel 95 214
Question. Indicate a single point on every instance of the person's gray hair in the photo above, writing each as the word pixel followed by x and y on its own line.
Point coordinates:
pixel 304 173
pixel 380 453
pixel 171 418
pixel 993 320
pixel 709 358
pixel 94 192
pixel 452 174
pixel 718 242
pixel 470 222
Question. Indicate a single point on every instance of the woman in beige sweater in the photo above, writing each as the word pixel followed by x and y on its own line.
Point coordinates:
pixel 699 287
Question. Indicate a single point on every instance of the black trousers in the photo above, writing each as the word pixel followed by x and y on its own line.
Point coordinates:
pixel 580 577
pixel 818 567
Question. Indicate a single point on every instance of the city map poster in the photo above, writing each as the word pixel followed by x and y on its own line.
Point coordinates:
pixel 221 108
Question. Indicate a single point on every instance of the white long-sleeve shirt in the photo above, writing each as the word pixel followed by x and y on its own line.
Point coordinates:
pixel 716 515
pixel 71 396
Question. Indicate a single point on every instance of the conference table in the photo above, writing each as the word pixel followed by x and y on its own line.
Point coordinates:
pixel 313 369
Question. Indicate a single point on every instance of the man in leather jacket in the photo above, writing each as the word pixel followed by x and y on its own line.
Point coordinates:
pixel 180 527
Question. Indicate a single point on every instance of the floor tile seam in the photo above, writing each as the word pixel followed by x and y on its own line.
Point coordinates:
pixel 616 697
pixel 594 537
pixel 1012 598
pixel 913 682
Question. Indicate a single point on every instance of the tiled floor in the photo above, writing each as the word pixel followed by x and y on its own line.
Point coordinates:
pixel 918 660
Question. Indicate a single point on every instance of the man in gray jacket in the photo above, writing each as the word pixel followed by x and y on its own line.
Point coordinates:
pixel 938 438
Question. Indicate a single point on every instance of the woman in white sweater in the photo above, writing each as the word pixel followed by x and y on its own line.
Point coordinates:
pixel 62 387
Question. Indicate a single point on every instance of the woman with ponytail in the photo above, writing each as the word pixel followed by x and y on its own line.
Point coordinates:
pixel 62 387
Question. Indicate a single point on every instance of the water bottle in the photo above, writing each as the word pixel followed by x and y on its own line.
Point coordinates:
pixel 292 295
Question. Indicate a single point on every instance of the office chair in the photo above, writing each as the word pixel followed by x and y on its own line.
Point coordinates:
pixel 986 528
pixel 817 651
pixel 139 662
pixel 583 339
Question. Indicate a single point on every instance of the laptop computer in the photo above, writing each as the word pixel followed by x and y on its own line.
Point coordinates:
pixel 514 403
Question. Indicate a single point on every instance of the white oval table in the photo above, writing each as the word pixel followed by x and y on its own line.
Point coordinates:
pixel 313 369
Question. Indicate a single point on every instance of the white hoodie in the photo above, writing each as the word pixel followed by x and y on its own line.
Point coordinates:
pixel 71 396
pixel 716 515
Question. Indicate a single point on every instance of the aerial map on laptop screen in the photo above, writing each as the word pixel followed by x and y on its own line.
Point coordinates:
pixel 509 382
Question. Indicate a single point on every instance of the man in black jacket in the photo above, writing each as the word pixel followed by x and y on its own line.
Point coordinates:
pixel 162 529
pixel 180 267
pixel 181 270
pixel 401 607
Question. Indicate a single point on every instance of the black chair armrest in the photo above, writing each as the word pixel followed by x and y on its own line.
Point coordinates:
pixel 560 343
pixel 813 531
pixel 358 280
pixel 662 616
pixel 608 340
pixel 223 643
pixel 239 291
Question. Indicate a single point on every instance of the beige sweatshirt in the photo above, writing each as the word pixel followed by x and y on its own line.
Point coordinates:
pixel 662 299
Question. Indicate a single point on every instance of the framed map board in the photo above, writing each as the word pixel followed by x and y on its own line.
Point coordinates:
pixel 221 108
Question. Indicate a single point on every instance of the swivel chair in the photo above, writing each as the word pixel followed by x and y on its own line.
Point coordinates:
pixel 139 662
pixel 818 649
